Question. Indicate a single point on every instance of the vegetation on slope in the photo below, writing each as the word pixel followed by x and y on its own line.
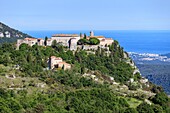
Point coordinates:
pixel 72 90
pixel 157 73
pixel 14 34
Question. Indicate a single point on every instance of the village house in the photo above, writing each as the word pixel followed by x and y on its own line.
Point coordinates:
pixel 40 42
pixel 30 42
pixel 68 40
pixel 1 34
pixel 103 41
pixel 7 34
pixel 65 38
pixel 57 62
pixel 106 41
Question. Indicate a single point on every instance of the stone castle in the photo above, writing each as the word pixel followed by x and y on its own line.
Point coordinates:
pixel 69 40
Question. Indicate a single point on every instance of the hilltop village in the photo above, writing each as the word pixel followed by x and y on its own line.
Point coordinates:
pixel 67 40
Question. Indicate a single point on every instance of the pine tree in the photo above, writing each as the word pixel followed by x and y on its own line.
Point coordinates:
pixel 45 42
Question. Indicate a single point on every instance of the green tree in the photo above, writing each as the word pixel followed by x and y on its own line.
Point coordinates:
pixel 94 41
pixel 130 110
pixel 80 34
pixel 85 36
pixel 82 70
pixel 145 108
pixel 23 47
pixel 157 109
pixel 54 44
pixel 82 42
pixel 162 99
pixel 45 42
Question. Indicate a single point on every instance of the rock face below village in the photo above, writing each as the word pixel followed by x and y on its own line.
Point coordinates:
pixel 8 34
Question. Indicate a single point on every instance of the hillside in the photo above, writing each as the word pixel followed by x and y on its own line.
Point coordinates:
pixel 8 34
pixel 155 67
pixel 96 82
pixel 168 55
pixel 157 73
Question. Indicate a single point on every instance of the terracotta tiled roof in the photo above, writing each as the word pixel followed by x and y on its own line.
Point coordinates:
pixel 63 63
pixel 97 37
pixel 103 40
pixel 53 56
pixel 40 39
pixel 66 35
pixel 30 39
pixel 56 58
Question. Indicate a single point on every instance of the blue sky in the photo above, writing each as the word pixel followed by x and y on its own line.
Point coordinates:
pixel 86 14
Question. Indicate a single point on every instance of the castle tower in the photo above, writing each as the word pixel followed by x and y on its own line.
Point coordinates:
pixel 81 35
pixel 91 33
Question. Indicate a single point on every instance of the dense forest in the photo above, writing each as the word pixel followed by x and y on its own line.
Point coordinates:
pixel 27 85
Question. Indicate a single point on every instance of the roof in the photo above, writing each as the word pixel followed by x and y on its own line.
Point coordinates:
pixel 64 63
pixel 73 38
pixel 108 39
pixel 97 37
pixel 102 40
pixel 48 39
pixel 56 58
pixel 65 35
pixel 40 39
pixel 30 39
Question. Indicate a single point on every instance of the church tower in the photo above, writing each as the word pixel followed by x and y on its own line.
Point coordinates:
pixel 91 33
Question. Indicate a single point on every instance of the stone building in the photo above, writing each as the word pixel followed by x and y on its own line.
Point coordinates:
pixel 30 42
pixel 91 33
pixel 1 34
pixel 7 34
pixel 106 41
pixel 49 42
pixel 40 42
pixel 73 44
pixel 69 40
pixel 57 62
pixel 65 38
pixel 103 40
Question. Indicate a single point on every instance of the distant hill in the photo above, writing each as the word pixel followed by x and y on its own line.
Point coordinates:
pixel 8 34
pixel 168 55
pixel 154 67
pixel 157 73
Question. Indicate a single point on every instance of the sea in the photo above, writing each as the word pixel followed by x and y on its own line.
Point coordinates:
pixel 139 41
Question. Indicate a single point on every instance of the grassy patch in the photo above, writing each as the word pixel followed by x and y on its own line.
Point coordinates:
pixel 30 84
pixel 133 102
